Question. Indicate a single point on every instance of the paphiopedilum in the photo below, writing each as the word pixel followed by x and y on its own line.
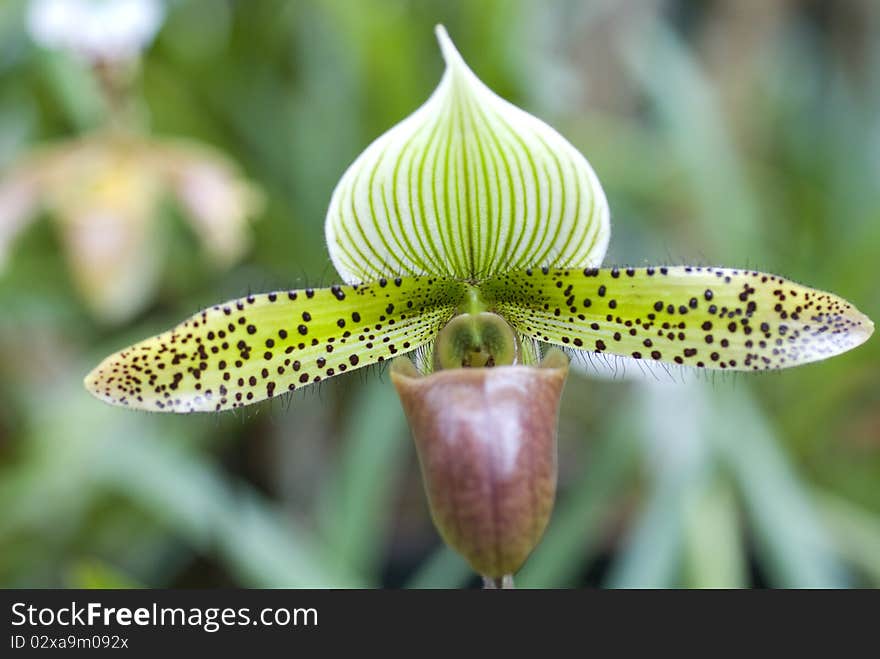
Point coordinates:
pixel 105 189
pixel 105 192
pixel 469 237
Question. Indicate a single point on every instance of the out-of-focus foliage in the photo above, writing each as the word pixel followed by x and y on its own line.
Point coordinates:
pixel 742 133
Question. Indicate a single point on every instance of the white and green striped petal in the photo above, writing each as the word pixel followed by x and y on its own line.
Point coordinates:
pixel 693 316
pixel 466 187
pixel 257 347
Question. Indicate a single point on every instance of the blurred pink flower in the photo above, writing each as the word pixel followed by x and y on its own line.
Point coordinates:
pixel 104 192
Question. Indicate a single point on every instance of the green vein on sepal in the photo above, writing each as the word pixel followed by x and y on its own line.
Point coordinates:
pixel 466 187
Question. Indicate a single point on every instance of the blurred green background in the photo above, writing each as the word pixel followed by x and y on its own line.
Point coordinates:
pixel 740 133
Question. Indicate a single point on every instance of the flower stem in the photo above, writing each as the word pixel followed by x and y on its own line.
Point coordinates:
pixel 493 583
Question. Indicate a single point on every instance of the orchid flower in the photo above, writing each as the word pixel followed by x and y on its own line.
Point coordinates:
pixel 105 189
pixel 470 235
pixel 104 192
pixel 471 205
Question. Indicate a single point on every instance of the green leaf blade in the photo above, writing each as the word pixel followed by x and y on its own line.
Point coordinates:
pixel 693 316
pixel 257 347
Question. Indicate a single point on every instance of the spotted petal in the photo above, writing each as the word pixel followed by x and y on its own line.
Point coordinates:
pixel 256 347
pixel 703 317
pixel 466 187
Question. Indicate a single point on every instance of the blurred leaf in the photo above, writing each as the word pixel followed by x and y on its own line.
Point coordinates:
pixel 575 531
pixel 442 569
pixel 92 448
pixel 74 88
pixel 714 551
pixel 689 119
pixel 261 547
pixel 792 543
pixel 94 574
pixel 357 505
pixel 678 459
pixel 855 532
